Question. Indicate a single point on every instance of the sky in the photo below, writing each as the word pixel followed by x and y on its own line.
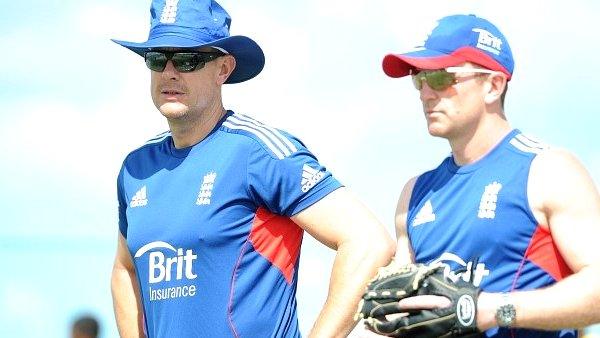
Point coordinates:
pixel 74 104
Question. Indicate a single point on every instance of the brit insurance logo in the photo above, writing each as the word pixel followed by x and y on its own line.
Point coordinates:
pixel 175 265
pixel 470 272
pixel 488 42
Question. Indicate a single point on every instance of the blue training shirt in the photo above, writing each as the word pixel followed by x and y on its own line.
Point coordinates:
pixel 208 228
pixel 476 218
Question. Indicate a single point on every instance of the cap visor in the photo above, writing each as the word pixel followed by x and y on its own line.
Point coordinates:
pixel 399 65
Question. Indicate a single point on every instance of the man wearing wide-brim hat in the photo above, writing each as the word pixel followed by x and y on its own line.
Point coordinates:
pixel 212 212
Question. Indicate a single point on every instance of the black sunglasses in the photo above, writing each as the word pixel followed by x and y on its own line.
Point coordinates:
pixel 184 62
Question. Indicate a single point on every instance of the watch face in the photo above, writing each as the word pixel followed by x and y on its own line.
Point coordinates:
pixel 506 315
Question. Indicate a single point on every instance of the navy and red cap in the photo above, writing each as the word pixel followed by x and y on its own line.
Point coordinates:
pixel 455 40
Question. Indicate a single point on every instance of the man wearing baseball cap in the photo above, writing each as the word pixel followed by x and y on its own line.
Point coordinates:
pixel 504 211
pixel 212 212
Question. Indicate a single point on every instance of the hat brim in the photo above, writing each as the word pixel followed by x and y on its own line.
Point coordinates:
pixel 399 65
pixel 249 57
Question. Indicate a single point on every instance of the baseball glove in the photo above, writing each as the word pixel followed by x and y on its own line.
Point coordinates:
pixel 394 283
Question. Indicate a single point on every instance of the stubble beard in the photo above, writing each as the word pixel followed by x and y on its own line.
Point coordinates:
pixel 174 110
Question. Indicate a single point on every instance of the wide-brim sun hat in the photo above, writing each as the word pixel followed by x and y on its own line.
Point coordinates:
pixel 196 24
pixel 456 39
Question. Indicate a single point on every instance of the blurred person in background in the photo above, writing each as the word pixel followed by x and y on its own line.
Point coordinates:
pixel 85 327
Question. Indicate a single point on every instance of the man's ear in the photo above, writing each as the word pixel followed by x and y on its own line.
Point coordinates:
pixel 497 85
pixel 227 67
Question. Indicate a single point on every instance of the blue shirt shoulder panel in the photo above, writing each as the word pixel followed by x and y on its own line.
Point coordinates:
pixel 283 175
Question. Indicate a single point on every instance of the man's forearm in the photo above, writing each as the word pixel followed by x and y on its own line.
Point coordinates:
pixel 570 303
pixel 126 303
pixel 353 267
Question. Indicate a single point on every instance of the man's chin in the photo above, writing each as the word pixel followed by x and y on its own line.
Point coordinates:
pixel 173 109
pixel 437 132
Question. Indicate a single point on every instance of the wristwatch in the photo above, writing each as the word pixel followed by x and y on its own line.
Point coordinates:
pixel 506 315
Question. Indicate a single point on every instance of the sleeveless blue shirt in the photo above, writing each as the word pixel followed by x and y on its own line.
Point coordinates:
pixel 476 220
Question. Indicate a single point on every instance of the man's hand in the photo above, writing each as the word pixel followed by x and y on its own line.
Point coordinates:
pixel 417 300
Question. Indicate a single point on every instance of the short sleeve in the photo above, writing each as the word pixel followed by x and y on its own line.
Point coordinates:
pixel 122 204
pixel 287 185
